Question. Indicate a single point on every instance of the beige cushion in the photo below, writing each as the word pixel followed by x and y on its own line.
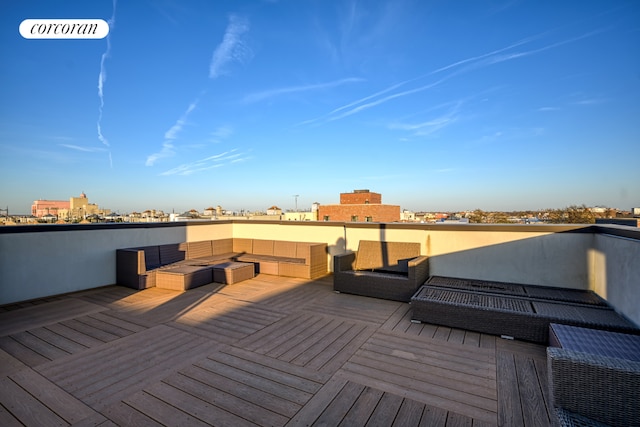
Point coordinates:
pixel 243 245
pixel 199 249
pixel 284 249
pixel 376 255
pixel 262 247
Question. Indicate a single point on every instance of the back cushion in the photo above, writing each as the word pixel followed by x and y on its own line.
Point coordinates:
pixel 151 257
pixel 373 255
pixel 302 251
pixel 172 252
pixel 243 245
pixel 222 246
pixel 199 249
pixel 284 249
pixel 262 247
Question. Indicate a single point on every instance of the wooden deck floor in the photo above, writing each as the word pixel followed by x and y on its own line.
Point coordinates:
pixel 268 351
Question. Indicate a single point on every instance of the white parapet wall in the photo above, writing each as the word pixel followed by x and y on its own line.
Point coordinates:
pixel 40 261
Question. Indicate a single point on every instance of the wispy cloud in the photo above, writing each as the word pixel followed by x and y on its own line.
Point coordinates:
pixel 168 148
pixel 220 134
pixel 259 96
pixel 102 78
pixel 84 149
pixel 455 68
pixel 425 128
pixel 232 49
pixel 592 101
pixel 173 132
pixel 545 109
pixel 208 163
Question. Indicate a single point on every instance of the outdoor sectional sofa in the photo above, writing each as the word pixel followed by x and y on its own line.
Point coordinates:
pixel 386 270
pixel 137 267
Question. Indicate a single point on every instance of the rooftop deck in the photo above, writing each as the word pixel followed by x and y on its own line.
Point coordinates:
pixel 267 351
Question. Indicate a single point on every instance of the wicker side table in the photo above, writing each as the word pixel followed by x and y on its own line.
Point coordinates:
pixel 233 272
pixel 183 278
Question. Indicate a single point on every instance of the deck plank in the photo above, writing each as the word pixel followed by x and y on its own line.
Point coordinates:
pixel 53 397
pixel 509 406
pixel 31 317
pixel 26 408
pixel 269 350
pixel 531 395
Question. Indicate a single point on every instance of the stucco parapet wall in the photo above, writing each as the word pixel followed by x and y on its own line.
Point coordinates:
pixel 614 230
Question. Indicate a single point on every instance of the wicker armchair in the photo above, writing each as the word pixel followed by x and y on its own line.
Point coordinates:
pixel 387 270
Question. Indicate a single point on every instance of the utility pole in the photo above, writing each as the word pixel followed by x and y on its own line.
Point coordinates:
pixel 296 199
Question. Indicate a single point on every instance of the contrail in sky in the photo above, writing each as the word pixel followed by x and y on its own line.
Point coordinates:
pixel 102 77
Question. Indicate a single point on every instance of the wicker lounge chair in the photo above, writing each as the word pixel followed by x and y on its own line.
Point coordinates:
pixel 387 270
pixel 595 374
pixel 515 317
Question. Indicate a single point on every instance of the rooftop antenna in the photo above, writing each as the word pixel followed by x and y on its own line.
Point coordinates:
pixel 296 199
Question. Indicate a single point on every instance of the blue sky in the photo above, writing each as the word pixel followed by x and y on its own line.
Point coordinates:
pixel 438 105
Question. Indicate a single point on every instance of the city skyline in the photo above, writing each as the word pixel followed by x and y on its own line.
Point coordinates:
pixel 515 105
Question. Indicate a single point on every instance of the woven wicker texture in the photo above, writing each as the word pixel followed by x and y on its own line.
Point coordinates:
pixel 588 316
pixel 477 285
pixel 594 341
pixel 173 252
pixel 232 272
pixel 151 257
pixel 199 249
pixel 472 299
pixel 569 419
pixel 604 389
pixel 520 318
pixel 576 296
pixel 373 254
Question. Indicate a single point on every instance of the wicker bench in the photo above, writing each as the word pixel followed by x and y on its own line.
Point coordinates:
pixel 577 296
pixel 520 318
pixel 387 270
pixel 595 374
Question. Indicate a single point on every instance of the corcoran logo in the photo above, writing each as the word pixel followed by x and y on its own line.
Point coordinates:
pixel 64 29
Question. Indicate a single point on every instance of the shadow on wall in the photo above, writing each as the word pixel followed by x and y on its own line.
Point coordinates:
pixel 556 259
pixel 339 247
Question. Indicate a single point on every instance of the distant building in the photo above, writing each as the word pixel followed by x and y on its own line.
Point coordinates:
pixel 360 206
pixel 40 208
pixel 635 211
pixel 274 210
pixel 75 208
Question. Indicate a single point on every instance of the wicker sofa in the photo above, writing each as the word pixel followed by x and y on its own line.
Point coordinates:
pixel 137 267
pixel 387 270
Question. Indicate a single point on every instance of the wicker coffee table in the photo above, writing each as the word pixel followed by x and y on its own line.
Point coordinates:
pixel 233 272
pixel 183 278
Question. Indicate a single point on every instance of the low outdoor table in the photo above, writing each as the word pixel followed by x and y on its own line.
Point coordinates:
pixel 233 272
pixel 595 341
pixel 183 278
pixel 595 374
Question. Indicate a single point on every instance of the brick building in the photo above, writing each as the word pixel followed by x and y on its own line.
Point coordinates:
pixel 360 206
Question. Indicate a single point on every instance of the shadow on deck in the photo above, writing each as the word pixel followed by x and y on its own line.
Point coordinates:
pixel 267 351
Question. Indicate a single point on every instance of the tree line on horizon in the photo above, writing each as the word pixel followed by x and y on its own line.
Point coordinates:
pixel 569 215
